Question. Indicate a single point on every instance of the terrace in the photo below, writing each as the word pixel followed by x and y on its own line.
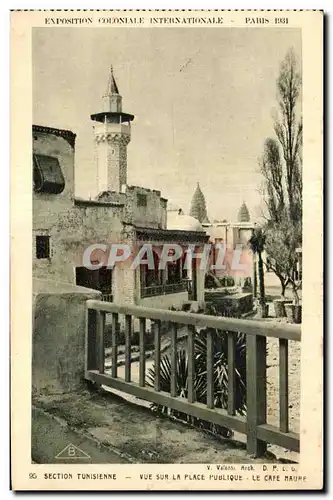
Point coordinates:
pixel 80 344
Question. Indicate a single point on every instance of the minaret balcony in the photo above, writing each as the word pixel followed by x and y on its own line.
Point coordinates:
pixel 102 129
pixel 111 117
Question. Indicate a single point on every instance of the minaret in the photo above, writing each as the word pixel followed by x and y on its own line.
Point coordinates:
pixel 112 134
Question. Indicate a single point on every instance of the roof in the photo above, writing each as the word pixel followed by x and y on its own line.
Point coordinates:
pixel 112 85
pixel 100 117
pixel 113 88
pixel 96 203
pixel 170 235
pixel 68 135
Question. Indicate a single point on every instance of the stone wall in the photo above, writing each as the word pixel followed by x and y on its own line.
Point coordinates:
pixel 71 226
pixel 165 301
pixel 58 336
pixel 152 215
pixel 234 305
pixel 71 232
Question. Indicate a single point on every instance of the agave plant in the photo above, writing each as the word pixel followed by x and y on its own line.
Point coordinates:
pixel 181 382
pixel 220 367
pixel 220 377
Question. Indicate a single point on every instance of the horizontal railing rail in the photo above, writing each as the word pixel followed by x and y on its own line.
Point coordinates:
pixel 254 424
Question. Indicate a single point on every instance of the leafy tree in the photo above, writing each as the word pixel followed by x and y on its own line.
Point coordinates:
pixel 281 243
pixel 272 169
pixel 288 129
pixel 281 167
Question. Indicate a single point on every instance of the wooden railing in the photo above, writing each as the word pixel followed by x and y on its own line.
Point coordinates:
pixel 165 289
pixel 254 425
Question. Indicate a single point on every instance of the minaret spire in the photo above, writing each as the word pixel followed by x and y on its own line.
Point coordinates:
pixel 112 99
pixel 112 85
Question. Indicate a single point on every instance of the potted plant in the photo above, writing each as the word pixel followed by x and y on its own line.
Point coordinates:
pixel 294 310
pixel 279 306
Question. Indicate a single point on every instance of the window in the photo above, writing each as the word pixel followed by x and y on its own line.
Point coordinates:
pixel 141 200
pixel 43 247
pixel 47 175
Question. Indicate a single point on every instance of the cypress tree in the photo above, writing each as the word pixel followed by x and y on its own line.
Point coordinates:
pixel 198 206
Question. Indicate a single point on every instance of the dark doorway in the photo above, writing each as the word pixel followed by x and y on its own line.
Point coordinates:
pixel 99 279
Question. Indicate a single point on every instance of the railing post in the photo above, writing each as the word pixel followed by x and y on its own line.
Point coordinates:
pixel 157 355
pixel 283 385
pixel 142 363
pixel 210 368
pixel 231 373
pixel 190 364
pixel 100 340
pixel 173 332
pixel 114 335
pixel 91 352
pixel 256 391
pixel 128 338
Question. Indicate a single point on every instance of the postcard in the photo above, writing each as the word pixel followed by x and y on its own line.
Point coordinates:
pixel 167 250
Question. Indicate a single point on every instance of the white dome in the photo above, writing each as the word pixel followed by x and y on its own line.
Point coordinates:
pixel 183 222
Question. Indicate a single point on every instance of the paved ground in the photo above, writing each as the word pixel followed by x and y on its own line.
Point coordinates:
pixel 59 444
pixel 125 433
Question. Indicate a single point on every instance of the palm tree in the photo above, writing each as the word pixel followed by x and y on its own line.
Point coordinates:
pixel 257 244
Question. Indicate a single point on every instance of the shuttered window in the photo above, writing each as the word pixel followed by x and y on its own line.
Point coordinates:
pixel 47 175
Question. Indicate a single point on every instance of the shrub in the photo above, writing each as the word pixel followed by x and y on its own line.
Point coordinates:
pixel 211 281
pixel 230 281
pixel 227 281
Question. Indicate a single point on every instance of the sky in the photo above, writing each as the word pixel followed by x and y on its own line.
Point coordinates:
pixel 203 100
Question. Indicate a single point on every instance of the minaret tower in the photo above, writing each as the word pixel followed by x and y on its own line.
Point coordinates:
pixel 112 134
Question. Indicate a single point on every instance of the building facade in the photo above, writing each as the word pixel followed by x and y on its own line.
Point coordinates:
pixel 64 227
pixel 233 237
